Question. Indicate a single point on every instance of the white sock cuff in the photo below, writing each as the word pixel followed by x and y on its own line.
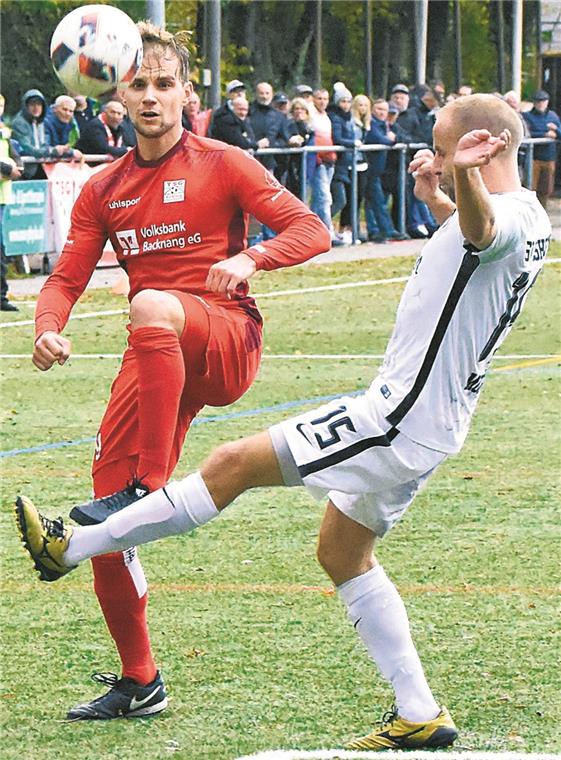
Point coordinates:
pixel 192 494
pixel 371 580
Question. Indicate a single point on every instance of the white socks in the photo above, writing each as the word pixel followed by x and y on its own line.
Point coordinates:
pixel 377 612
pixel 178 508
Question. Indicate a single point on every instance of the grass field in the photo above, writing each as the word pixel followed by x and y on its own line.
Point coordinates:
pixel 254 646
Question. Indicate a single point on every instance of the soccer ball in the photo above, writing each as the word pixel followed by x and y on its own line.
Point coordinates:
pixel 94 49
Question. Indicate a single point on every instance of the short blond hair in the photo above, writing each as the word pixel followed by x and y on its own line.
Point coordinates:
pixel 300 103
pixel 483 112
pixel 177 43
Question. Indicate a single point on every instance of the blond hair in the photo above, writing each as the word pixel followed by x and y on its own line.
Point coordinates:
pixel 483 112
pixel 362 120
pixel 177 43
pixel 300 103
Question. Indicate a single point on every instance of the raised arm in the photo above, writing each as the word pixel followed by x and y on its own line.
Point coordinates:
pixel 300 234
pixel 474 150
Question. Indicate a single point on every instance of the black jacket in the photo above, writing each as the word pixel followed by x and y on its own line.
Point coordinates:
pixel 94 139
pixel 293 179
pixel 408 121
pixel 270 123
pixel 423 132
pixel 232 130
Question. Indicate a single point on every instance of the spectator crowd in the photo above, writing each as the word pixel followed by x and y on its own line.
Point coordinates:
pixel 72 127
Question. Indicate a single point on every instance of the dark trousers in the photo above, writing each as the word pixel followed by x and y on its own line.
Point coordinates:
pixel 3 262
pixel 377 202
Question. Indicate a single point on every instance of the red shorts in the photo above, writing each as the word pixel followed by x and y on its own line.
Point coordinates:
pixel 221 349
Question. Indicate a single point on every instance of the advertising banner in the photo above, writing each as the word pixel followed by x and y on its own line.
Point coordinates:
pixel 65 181
pixel 26 226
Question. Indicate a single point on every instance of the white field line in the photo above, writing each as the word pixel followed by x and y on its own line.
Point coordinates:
pixel 342 754
pixel 86 315
pixel 309 357
pixel 274 294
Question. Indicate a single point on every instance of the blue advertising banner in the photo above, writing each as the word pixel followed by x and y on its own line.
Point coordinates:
pixel 26 226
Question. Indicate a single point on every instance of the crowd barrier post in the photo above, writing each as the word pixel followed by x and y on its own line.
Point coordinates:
pixel 401 189
pixel 303 176
pixel 354 198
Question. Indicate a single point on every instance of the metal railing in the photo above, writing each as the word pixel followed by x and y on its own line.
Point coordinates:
pixel 405 151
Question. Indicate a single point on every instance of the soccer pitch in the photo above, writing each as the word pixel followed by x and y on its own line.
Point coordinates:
pixel 253 644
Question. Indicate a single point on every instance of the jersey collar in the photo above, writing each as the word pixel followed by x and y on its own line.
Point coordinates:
pixel 172 151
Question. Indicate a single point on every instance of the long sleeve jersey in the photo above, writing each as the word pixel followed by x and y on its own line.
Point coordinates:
pixel 170 220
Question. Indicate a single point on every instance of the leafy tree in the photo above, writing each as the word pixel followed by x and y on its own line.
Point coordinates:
pixel 274 40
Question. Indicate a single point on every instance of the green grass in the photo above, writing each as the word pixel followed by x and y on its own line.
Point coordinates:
pixel 256 651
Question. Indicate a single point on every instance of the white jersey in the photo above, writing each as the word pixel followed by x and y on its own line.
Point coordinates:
pixel 455 312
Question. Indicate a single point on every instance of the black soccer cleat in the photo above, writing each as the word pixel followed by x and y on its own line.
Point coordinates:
pixel 125 699
pixel 97 511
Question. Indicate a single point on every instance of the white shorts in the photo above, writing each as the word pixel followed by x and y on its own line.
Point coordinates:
pixel 346 450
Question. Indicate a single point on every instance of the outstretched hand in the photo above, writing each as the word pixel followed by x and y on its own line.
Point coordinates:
pixel 479 147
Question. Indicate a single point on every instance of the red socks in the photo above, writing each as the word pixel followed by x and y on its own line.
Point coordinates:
pixel 119 580
pixel 161 378
pixel 121 590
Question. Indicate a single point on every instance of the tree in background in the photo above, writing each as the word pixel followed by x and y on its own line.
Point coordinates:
pixel 274 40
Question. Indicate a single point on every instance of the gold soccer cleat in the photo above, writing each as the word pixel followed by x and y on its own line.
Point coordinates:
pixel 398 733
pixel 46 540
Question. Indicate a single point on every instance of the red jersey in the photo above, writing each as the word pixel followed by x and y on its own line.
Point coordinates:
pixel 169 220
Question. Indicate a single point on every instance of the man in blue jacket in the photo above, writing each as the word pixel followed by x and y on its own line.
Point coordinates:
pixel 29 131
pixel 61 127
pixel 380 134
pixel 543 123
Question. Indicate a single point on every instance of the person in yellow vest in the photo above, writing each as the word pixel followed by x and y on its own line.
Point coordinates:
pixel 9 170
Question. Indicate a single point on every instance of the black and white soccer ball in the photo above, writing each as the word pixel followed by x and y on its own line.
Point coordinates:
pixel 96 49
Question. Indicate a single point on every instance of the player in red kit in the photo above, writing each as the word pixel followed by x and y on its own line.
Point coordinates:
pixel 176 212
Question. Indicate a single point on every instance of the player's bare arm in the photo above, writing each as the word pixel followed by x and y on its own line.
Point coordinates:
pixel 476 149
pixel 225 276
pixel 427 187
pixel 50 347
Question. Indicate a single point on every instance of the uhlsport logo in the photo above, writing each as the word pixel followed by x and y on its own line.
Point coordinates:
pixel 128 241
pixel 125 203
pixel 174 190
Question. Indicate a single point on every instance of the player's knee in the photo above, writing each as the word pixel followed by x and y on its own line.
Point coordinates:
pixel 156 308
pixel 339 561
pixel 226 473
pixel 230 458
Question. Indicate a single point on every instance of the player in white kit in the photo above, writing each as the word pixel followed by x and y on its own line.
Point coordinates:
pixel 371 454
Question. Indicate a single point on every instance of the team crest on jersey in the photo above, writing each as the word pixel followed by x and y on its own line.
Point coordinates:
pixel 174 190
pixel 128 241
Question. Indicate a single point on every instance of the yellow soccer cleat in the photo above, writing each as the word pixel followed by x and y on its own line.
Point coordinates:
pixel 46 540
pixel 398 733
